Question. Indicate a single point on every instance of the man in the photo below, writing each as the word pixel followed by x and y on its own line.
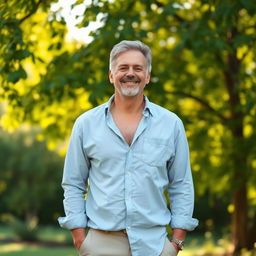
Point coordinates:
pixel 130 150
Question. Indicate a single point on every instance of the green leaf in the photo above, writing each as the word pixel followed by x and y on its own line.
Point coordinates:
pixel 21 54
pixel 15 76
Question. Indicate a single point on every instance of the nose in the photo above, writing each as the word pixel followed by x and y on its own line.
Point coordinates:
pixel 130 72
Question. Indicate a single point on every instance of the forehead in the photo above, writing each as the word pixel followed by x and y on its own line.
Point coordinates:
pixel 130 57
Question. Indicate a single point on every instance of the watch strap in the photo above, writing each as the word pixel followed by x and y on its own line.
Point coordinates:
pixel 180 243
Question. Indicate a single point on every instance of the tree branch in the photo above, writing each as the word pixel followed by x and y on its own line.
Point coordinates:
pixel 178 18
pixel 202 102
pixel 32 12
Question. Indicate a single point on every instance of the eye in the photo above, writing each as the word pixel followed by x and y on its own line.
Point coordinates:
pixel 122 68
pixel 138 68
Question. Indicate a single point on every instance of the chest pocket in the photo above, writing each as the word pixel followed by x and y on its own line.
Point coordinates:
pixel 156 152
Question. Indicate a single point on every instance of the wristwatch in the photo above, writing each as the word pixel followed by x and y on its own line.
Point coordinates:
pixel 180 243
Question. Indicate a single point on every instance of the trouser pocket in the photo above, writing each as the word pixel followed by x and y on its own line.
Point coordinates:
pixel 83 250
pixel 169 249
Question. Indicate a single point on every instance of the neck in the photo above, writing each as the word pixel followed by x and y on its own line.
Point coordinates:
pixel 128 105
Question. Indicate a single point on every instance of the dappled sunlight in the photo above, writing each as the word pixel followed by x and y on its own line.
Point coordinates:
pixel 60 238
pixel 197 247
pixel 13 247
pixel 53 70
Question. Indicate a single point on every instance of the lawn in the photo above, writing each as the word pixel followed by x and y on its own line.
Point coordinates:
pixel 55 241
pixel 17 249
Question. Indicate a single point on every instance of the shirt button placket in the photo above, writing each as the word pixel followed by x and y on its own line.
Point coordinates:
pixel 128 191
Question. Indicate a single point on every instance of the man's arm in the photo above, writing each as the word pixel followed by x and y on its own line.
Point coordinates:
pixel 78 236
pixel 74 183
pixel 179 234
pixel 181 189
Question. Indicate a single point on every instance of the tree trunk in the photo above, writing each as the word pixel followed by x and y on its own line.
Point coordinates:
pixel 252 234
pixel 240 199
pixel 239 220
pixel 239 156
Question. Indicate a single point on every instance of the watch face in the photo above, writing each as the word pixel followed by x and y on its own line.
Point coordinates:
pixel 180 243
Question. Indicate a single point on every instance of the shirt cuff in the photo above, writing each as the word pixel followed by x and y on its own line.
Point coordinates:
pixel 183 222
pixel 73 221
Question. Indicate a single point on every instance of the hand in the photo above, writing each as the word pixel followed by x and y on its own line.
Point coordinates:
pixel 78 237
pixel 78 243
pixel 176 247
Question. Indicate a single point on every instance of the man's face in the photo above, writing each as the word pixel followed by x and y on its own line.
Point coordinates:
pixel 129 73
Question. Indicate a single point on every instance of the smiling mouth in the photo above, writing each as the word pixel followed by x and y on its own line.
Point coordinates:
pixel 131 80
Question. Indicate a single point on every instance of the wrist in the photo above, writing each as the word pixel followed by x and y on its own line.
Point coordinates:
pixel 178 244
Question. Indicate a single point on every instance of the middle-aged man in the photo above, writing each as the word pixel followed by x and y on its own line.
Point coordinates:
pixel 122 156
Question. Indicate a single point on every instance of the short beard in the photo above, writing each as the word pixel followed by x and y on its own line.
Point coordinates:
pixel 130 93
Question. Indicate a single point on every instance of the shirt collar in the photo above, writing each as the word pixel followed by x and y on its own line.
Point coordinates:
pixel 108 104
pixel 148 109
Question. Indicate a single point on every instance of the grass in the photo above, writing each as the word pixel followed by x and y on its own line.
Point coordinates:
pixel 61 244
pixel 57 234
pixel 17 249
pixel 54 241
pixel 6 232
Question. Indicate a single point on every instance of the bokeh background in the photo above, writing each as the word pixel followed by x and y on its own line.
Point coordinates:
pixel 54 66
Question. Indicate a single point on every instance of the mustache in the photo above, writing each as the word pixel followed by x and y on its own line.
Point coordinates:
pixel 130 79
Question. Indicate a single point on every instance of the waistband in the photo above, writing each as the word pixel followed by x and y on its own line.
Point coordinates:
pixel 122 231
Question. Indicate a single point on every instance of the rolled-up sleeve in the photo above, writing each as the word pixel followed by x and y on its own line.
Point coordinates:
pixel 75 181
pixel 181 189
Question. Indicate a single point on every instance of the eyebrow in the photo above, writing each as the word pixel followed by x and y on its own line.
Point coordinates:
pixel 125 65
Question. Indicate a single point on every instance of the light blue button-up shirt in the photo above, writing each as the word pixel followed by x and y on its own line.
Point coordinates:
pixel 124 184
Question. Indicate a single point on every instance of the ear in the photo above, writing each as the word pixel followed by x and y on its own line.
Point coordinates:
pixel 110 76
pixel 148 78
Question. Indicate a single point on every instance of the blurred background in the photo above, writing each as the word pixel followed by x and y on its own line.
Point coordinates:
pixel 54 66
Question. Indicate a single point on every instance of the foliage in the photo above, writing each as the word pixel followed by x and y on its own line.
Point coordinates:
pixel 30 177
pixel 24 230
pixel 203 69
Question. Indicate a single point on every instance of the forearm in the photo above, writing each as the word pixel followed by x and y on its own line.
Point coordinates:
pixel 179 233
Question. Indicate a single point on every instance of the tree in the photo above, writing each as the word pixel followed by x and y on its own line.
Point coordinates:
pixel 203 69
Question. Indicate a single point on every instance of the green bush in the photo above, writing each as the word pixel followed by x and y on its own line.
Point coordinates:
pixel 26 231
pixel 30 177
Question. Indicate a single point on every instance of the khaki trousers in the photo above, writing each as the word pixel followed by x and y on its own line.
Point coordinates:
pixel 113 243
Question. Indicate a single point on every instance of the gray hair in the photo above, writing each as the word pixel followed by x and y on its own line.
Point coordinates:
pixel 126 45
